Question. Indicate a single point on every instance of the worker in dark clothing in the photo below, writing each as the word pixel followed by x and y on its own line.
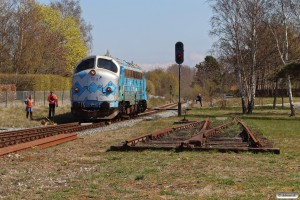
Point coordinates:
pixel 53 102
pixel 199 98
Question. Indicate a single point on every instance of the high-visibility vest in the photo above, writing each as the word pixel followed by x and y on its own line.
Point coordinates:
pixel 29 103
pixel 52 99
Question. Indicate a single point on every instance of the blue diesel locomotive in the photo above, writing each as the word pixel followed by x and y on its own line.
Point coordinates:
pixel 104 87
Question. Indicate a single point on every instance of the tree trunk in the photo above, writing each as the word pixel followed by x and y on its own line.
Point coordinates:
pixel 286 56
pixel 293 113
pixel 241 89
pixel 252 86
pixel 253 64
pixel 275 94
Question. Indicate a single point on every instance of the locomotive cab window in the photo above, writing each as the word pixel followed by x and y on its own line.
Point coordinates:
pixel 107 64
pixel 86 64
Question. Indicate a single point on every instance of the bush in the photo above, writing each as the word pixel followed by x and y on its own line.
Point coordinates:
pixel 36 82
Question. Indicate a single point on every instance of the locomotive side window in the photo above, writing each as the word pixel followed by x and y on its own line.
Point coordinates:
pixel 133 74
pixel 107 64
pixel 86 64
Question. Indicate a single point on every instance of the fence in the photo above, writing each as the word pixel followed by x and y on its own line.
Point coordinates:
pixel 16 98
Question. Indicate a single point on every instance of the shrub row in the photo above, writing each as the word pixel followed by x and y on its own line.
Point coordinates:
pixel 36 82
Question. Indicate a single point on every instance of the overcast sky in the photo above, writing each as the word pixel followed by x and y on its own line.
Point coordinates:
pixel 145 31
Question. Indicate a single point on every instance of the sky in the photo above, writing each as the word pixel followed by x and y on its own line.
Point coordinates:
pixel 145 31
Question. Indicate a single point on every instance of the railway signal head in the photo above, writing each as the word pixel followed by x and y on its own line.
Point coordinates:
pixel 179 53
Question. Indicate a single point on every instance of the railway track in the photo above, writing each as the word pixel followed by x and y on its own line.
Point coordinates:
pixel 159 109
pixel 12 141
pixel 201 136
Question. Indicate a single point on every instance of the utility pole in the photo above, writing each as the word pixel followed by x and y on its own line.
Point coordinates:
pixel 179 102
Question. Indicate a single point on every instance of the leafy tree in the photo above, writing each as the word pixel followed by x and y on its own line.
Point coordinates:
pixel 150 87
pixel 38 39
pixel 69 35
pixel 162 81
pixel 292 72
pixel 293 69
pixel 186 79
pixel 71 8
pixel 209 77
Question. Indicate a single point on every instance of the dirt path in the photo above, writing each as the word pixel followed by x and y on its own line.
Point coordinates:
pixel 296 105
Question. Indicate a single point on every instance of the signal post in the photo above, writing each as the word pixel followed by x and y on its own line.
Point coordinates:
pixel 179 58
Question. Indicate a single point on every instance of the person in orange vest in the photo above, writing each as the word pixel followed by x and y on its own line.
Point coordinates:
pixel 29 104
pixel 52 99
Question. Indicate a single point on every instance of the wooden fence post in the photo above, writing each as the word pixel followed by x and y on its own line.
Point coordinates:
pixel 62 97
pixel 34 97
pixel 6 98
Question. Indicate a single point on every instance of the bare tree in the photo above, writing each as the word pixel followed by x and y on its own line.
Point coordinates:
pixel 240 26
pixel 6 28
pixel 253 12
pixel 284 13
pixel 227 25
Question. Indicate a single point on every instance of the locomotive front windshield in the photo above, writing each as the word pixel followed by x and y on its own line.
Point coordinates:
pixel 107 64
pixel 86 64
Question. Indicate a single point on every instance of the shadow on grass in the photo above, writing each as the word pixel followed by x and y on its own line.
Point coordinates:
pixel 61 118
pixel 64 118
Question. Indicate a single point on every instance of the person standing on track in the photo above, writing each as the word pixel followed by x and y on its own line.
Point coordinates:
pixel 52 99
pixel 29 104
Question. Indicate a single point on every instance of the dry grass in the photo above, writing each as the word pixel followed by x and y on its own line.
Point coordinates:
pixel 16 117
pixel 83 169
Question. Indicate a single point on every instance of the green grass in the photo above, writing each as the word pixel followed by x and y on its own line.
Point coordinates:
pixel 205 175
pixel 259 101
pixel 92 172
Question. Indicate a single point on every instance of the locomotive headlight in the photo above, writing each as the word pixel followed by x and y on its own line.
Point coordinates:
pixel 108 89
pixel 92 72
pixel 76 89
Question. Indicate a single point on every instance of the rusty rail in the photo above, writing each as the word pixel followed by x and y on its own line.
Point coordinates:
pixel 43 143
pixel 158 134
pixel 205 139
pixel 250 136
pixel 200 139
pixel 150 111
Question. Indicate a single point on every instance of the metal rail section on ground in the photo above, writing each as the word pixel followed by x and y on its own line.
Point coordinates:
pixel 200 136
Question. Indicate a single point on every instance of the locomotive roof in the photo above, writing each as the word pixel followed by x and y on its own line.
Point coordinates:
pixel 121 62
pixel 126 64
